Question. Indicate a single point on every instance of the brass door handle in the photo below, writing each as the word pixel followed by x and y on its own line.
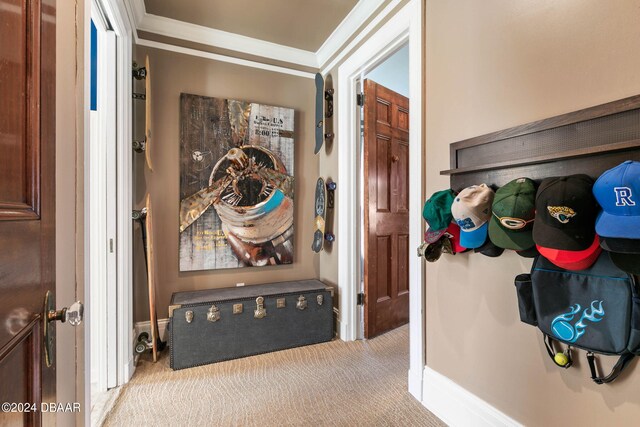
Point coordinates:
pixel 395 158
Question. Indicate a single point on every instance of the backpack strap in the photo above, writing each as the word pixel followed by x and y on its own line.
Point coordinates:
pixel 548 343
pixel 617 369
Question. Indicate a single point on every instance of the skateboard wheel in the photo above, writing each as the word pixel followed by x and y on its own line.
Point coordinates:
pixel 331 186
pixel 330 91
pixel 141 347
pixel 143 336
pixel 329 237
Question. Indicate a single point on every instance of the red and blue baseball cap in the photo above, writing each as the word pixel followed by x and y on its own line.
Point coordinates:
pixel 437 213
pixel 618 192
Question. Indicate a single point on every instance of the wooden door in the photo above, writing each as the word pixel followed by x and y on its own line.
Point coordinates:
pixel 27 204
pixel 386 209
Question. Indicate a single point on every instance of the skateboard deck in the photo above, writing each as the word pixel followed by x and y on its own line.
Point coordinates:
pixel 144 73
pixel 320 211
pixel 324 199
pixel 324 96
pixel 147 115
pixel 151 281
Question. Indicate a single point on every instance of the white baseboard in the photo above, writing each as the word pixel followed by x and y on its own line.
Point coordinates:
pixel 457 406
pixel 146 327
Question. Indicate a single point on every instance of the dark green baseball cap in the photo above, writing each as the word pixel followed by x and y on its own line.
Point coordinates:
pixel 437 210
pixel 513 212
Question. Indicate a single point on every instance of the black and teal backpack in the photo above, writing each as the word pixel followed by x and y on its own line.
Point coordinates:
pixel 597 310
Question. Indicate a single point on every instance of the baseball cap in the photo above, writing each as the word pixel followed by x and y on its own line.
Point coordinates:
pixel 471 210
pixel 573 260
pixel 618 192
pixel 489 249
pixel 626 262
pixel 437 213
pixel 453 233
pixel 566 212
pixel 624 246
pixel 513 214
pixel 531 252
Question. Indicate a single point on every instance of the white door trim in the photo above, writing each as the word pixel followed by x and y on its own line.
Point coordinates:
pixel 118 16
pixel 118 313
pixel 406 25
pixel 101 201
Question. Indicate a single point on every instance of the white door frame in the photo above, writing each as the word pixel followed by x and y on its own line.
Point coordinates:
pixel 406 25
pixel 121 23
pixel 102 203
pixel 118 269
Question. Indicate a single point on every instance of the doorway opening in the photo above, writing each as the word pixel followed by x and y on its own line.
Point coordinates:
pixel 383 173
pixel 404 28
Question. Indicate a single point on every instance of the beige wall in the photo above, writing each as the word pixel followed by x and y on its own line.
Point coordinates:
pixel 491 65
pixel 175 73
pixel 328 156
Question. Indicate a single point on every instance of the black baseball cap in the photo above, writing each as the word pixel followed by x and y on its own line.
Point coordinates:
pixel 489 249
pixel 566 213
pixel 624 246
pixel 532 252
pixel 626 262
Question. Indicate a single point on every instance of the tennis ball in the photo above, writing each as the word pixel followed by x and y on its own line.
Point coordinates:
pixel 561 359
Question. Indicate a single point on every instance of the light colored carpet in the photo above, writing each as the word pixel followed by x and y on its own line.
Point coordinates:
pixel 362 383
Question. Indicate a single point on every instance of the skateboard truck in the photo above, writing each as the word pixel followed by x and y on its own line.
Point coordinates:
pixel 328 96
pixel 139 73
pixel 331 187
pixel 139 96
pixel 138 215
pixel 144 343
pixel 139 146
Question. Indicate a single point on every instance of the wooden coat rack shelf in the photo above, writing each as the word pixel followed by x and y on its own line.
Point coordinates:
pixel 587 141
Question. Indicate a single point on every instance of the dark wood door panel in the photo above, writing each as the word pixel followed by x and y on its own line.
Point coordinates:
pixel 19 109
pixel 20 370
pixel 400 174
pixel 382 173
pixel 384 250
pixel 386 222
pixel 27 202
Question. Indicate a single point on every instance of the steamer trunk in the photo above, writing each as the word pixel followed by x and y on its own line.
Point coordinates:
pixel 222 324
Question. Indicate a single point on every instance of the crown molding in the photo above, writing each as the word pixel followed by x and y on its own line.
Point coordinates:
pixel 349 25
pixel 176 29
pixel 173 28
pixel 224 58
pixel 138 10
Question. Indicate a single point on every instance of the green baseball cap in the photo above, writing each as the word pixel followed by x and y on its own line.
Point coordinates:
pixel 437 210
pixel 513 212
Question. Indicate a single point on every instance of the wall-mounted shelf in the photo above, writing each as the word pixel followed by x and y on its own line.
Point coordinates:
pixel 587 141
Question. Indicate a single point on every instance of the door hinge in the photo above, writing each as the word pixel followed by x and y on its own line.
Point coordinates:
pixel 360 99
pixel 360 299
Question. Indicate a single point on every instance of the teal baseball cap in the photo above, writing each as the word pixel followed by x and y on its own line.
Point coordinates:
pixel 437 213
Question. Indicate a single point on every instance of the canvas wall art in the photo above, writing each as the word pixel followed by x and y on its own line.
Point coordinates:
pixel 236 184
